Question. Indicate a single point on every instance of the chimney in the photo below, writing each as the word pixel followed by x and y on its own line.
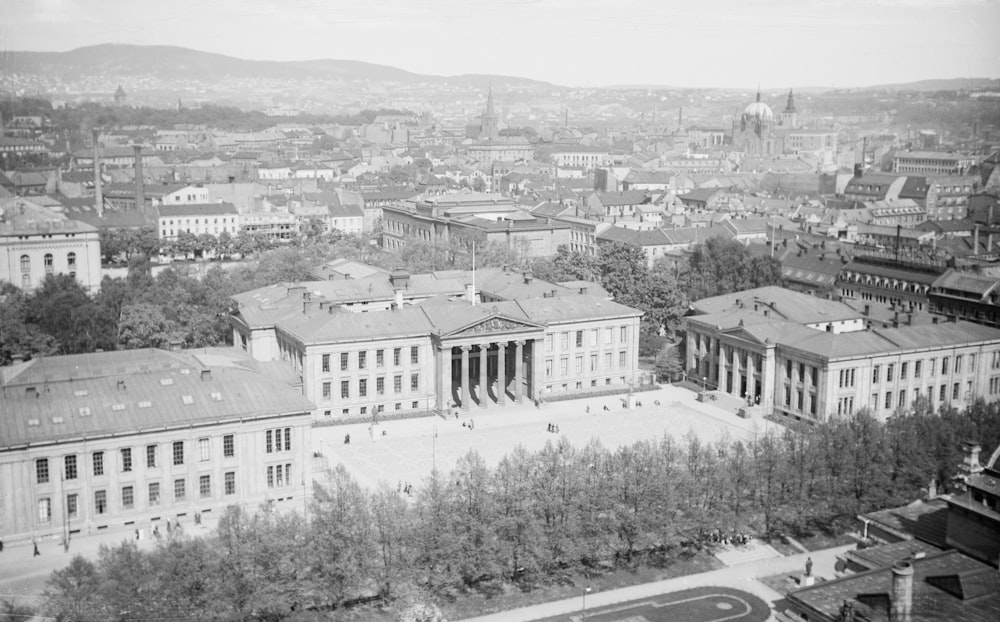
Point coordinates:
pixel 98 190
pixel 858 169
pixel 528 278
pixel 206 375
pixel 970 464
pixel 934 320
pixel 140 192
pixel 398 298
pixel 470 293
pixel 901 606
pixel 16 358
pixel 175 345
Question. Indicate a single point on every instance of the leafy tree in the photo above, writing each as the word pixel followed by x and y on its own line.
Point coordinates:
pixel 62 308
pixel 18 336
pixel 143 325
pixel 567 265
pixel 719 266
pixel 72 594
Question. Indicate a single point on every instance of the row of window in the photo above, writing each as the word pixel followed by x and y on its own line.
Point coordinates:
pixel 48 261
pixel 397 358
pixel 397 386
pixel 956 391
pixel 579 385
pixel 564 364
pixel 127 498
pixel 126 462
pixel 378 408
pixel 932 366
pixel 276 436
pixel 564 338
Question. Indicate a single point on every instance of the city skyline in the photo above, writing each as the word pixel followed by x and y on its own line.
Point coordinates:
pixel 584 43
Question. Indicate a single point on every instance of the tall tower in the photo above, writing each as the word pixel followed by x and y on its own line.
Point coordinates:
pixel 789 118
pixel 488 128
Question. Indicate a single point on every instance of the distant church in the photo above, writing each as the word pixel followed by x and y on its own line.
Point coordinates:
pixel 490 147
pixel 758 132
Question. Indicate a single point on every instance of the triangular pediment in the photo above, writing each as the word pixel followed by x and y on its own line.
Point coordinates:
pixel 741 332
pixel 494 325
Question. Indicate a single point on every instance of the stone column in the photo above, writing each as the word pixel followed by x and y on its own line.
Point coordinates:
pixel 751 382
pixel 484 397
pixel 736 371
pixel 518 371
pixel 465 377
pixel 501 372
pixel 721 359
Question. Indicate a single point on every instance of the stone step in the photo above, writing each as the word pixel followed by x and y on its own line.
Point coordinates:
pixel 751 552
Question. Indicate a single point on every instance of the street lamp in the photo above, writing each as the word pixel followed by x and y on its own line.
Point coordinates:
pixel 586 591
pixel 704 383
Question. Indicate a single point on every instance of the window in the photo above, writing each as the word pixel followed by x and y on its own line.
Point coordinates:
pixel 931 366
pixel 380 386
pixel 345 389
pixel 888 372
pixel 579 338
pixel 126 458
pixel 25 264
pixel 943 393
pixel 44 510
pixel 958 364
pixel 205 486
pixel 607 360
pixel 609 335
pixel 944 365
pixel 623 334
pixel 343 361
pixel 228 446
pixel 48 263
pixel 902 371
pixel 150 456
pixel 69 464
pixel 154 493
pixel 363 387
pixel 564 341
pixel 100 501
pixel 548 343
pixel 128 498
pixel 414 382
pixel 397 384
pixel 229 483
pixel 579 365
pixel 72 505
pixel 916 369
pixel 902 399
pixel 414 355
pixel 42 471
pixel 954 391
pixel 71 260
pixel 270 477
pixel 972 362
pixel 362 360
pixel 178 452
pixel 326 362
pixel 379 358
pixel 593 362
pixel 888 399
pixel 621 360
pixel 179 489
pixel 204 448
pixel 288 439
pixel 593 337
pixel 326 390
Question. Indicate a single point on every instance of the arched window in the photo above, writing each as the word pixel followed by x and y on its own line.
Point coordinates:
pixel 71 260
pixel 48 263
pixel 25 264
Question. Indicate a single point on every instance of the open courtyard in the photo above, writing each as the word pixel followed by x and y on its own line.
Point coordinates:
pixel 410 449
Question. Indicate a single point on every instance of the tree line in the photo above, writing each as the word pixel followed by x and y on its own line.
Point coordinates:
pixel 534 518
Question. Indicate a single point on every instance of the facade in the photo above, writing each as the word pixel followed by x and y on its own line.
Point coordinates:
pixel 131 438
pixel 948 197
pixel 967 295
pixel 36 242
pixel 210 218
pixel 397 343
pixel 587 157
pixel 932 163
pixel 813 359
pixel 491 147
pixel 472 217
pixel 974 510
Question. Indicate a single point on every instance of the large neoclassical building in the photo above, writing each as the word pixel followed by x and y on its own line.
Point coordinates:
pixel 432 342
pixel 813 359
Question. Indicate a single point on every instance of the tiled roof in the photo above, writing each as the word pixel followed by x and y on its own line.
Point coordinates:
pixel 92 395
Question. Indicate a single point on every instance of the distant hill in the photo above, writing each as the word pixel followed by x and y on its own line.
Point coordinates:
pixel 941 84
pixel 177 63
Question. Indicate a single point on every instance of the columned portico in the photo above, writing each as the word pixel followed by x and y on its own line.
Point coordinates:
pixel 478 364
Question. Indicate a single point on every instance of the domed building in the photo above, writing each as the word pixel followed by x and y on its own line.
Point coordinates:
pixel 753 130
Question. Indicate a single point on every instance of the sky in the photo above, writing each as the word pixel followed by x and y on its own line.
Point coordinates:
pixel 685 43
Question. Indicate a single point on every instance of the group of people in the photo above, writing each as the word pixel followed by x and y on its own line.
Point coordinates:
pixel 735 538
pixel 471 424
pixel 406 488
pixel 554 427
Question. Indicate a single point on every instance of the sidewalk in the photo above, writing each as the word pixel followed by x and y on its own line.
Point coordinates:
pixel 742 577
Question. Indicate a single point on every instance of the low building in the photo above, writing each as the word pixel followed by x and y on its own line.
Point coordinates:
pixel 196 219
pixel 400 343
pixel 36 241
pixel 812 359
pixel 966 295
pixel 933 162
pixel 134 438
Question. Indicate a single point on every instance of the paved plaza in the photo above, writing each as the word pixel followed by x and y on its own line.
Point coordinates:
pixel 409 449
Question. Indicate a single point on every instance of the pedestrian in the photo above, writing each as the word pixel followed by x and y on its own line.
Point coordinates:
pixel 384 433
pixel 472 424
pixel 588 410
pixel 168 526
pixel 399 486
pixel 136 534
pixel 347 439
pixel 809 566
pixel 36 549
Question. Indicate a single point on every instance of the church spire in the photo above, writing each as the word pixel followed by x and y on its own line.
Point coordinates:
pixel 758 92
pixel 790 106
pixel 488 128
